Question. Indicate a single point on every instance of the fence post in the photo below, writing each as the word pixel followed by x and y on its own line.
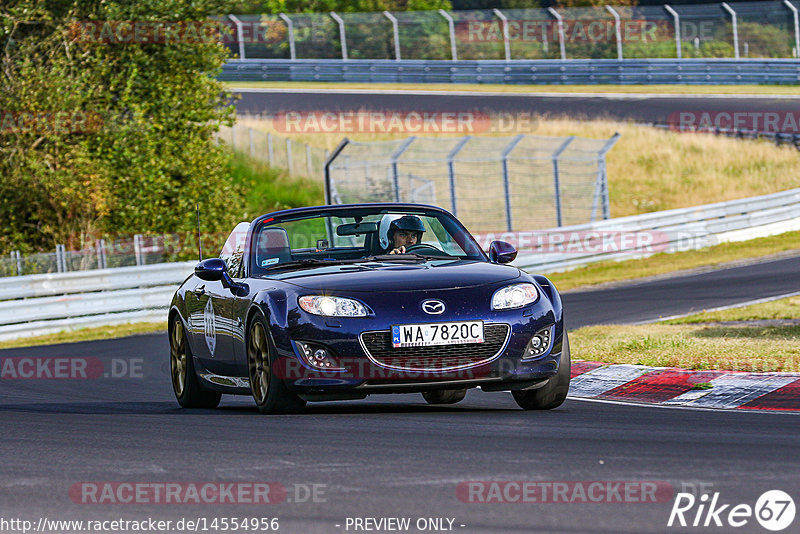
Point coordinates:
pixel 308 160
pixel 506 43
pixel 100 244
pixel 17 256
pixel 796 26
pixel 617 32
pixel 604 178
pixel 327 168
pixel 506 182
pixel 451 26
pixel 270 151
pixel 289 155
pixel 395 33
pixel 557 178
pixel 137 249
pixel 342 35
pixel 452 171
pixel 239 35
pixel 290 29
pixel 250 137
pixel 677 20
pixel 730 10
pixel 61 260
pixel 233 137
pixel 560 21
pixel 397 153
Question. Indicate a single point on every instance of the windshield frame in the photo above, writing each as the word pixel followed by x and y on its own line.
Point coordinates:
pixel 446 219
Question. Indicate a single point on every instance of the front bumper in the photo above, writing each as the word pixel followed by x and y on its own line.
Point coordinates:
pixel 363 373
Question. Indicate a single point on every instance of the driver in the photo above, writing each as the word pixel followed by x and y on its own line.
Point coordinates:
pixel 405 232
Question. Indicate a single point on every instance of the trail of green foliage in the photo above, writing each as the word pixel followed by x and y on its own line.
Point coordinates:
pixel 135 152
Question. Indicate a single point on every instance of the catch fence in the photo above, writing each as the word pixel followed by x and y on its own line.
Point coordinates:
pixel 490 183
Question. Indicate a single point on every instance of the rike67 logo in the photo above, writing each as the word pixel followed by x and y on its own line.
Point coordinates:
pixel 774 510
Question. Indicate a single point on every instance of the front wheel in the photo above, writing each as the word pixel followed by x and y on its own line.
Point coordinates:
pixel 184 378
pixel 444 396
pixel 552 394
pixel 269 391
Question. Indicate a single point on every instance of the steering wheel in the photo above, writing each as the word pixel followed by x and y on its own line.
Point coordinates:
pixel 419 246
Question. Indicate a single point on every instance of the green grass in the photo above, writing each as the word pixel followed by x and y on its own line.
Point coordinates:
pixel 706 347
pixel 270 189
pixel 87 334
pixel 659 264
pixel 685 343
pixel 528 89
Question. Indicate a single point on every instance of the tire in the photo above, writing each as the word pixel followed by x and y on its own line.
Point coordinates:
pixel 269 391
pixel 185 384
pixel 552 394
pixel 444 396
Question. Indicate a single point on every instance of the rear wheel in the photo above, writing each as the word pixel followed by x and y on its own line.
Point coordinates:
pixel 444 396
pixel 269 391
pixel 184 379
pixel 552 394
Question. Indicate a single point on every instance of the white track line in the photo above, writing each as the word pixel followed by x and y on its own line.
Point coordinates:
pixel 720 308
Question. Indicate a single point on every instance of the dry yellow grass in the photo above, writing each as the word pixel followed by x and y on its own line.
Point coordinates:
pixel 788 308
pixel 87 334
pixel 734 348
pixel 651 169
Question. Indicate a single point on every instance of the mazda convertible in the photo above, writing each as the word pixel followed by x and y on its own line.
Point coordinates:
pixel 340 302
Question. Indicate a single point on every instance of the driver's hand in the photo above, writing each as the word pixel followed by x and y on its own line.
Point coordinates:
pixel 401 250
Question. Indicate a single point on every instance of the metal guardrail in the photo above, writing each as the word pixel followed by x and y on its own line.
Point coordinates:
pixel 573 71
pixel 666 231
pixel 46 303
pixel 42 304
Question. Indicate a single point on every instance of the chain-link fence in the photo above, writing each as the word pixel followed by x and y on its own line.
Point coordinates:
pixel 100 254
pixel 299 159
pixel 766 29
pixel 490 183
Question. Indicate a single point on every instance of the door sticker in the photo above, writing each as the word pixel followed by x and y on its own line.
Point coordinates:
pixel 210 327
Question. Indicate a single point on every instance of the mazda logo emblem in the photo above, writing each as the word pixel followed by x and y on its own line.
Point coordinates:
pixel 433 307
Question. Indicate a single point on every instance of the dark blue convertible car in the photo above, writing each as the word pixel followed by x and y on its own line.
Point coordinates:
pixel 340 302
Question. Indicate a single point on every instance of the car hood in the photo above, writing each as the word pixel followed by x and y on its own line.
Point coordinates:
pixel 439 274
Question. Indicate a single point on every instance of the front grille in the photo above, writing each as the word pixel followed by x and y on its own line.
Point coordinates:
pixel 441 357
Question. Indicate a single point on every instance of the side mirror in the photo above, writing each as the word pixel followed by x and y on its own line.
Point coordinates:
pixel 211 270
pixel 502 252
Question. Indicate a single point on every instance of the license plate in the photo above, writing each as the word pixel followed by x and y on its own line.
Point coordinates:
pixel 425 335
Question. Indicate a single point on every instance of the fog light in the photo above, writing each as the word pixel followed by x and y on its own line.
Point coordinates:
pixel 539 343
pixel 317 356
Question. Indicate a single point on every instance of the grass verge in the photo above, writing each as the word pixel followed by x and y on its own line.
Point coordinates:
pixel 684 343
pixel 648 170
pixel 664 263
pixel 87 334
pixel 269 189
pixel 530 89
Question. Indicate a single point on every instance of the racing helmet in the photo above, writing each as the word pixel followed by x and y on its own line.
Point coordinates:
pixel 391 223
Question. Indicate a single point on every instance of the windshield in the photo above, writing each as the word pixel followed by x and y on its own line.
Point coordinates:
pixel 357 235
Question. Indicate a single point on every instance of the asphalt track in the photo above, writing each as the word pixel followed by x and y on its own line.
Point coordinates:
pixel 653 109
pixel 393 456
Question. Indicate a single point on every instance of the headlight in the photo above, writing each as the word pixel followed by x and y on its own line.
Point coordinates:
pixel 515 296
pixel 333 306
